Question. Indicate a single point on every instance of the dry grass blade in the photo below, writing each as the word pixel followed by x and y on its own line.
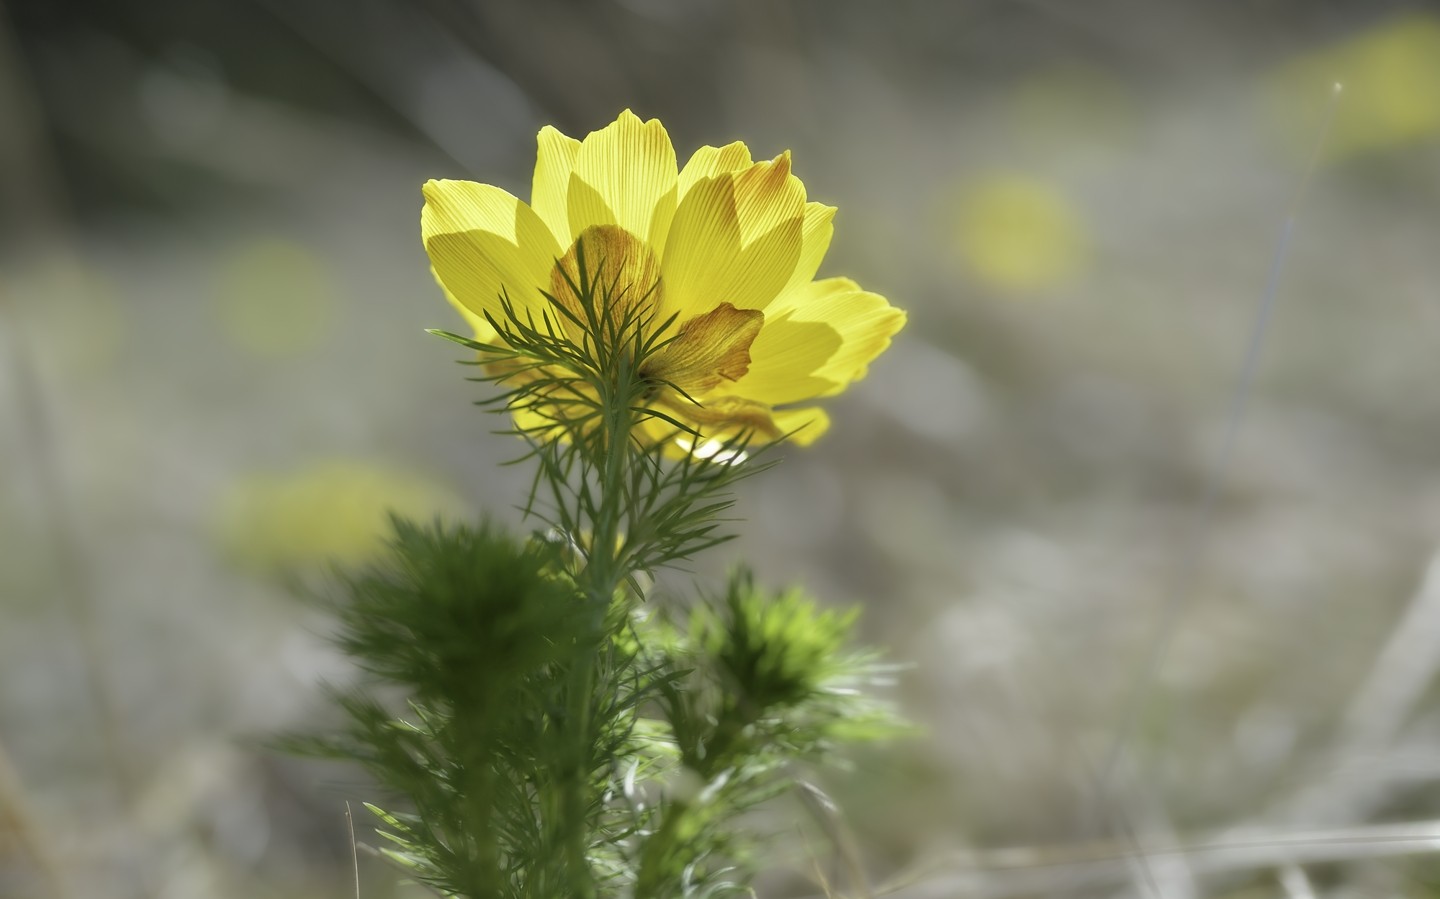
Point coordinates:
pixel 1402 673
pixel 1022 871
pixel 847 852
pixel 17 820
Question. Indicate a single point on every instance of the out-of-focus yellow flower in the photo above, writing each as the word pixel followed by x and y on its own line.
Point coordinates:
pixel 1018 233
pixel 332 511
pixel 727 246
pixel 275 298
pixel 1391 78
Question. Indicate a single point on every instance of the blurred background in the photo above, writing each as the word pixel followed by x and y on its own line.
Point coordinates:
pixel 213 379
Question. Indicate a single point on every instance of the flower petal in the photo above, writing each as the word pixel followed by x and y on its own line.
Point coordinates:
pixel 482 240
pixel 709 161
pixel 718 250
pixel 728 418
pixel 766 195
pixel 802 427
pixel 786 357
pixel 720 418
pixel 704 163
pixel 710 348
pixel 481 330
pixel 624 175
pixel 554 161
pixel 620 271
pixel 815 234
pixel 817 340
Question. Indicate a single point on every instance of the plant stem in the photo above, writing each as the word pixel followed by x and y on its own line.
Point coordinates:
pixel 599 580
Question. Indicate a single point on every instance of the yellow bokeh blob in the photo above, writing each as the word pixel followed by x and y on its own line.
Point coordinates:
pixel 1391 79
pixel 1019 233
pixel 274 297
pixel 331 511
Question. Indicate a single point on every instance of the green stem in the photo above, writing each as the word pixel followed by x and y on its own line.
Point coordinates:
pixel 663 862
pixel 599 580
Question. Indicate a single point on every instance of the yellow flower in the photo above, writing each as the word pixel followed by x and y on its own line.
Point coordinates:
pixel 331 511
pixel 1020 234
pixel 1391 76
pixel 723 253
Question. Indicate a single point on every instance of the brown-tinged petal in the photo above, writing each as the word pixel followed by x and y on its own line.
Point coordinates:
pixel 709 349
pixel 619 270
pixel 712 254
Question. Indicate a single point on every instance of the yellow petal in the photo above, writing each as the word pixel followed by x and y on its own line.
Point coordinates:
pixel 620 271
pixel 767 195
pixel 714 254
pixel 866 322
pixel 624 175
pixel 552 411
pixel 704 163
pixel 802 427
pixel 554 161
pixel 480 329
pixel 710 348
pixel 719 418
pixel 727 418
pixel 482 240
pixel 815 234
pixel 786 357
pixel 710 161
pixel 817 340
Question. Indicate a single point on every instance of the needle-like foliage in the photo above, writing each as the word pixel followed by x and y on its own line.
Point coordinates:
pixel 539 731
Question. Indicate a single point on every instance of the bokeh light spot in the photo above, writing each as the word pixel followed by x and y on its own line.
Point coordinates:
pixel 275 298
pixel 330 511
pixel 1391 80
pixel 1019 233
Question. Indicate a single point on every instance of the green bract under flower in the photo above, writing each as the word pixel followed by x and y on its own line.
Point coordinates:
pixel 713 264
